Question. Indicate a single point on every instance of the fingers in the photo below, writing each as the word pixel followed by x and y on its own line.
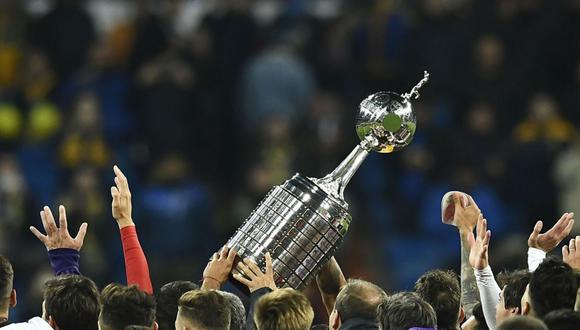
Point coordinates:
pixel 565 252
pixel 572 246
pixel 254 268
pixel 232 255
pixel 44 222
pixel 480 228
pixel 577 241
pixel 38 234
pixel 121 180
pixel 536 231
pixel 62 223
pixel 457 200
pixel 224 253
pixel 568 228
pixel 269 268
pixel 487 238
pixel 80 238
pixel 244 266
pixel 215 256
pixel 51 225
pixel 240 278
pixel 472 201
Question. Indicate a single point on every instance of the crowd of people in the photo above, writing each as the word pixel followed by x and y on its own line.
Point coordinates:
pixel 544 296
pixel 206 104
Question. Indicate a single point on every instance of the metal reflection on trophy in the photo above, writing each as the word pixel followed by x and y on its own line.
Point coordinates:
pixel 303 221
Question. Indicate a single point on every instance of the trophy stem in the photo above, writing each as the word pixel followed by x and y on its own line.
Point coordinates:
pixel 335 182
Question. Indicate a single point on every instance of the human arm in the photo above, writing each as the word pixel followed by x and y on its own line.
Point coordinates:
pixel 465 218
pixel 218 269
pixel 539 244
pixel 330 281
pixel 136 267
pixel 63 250
pixel 478 258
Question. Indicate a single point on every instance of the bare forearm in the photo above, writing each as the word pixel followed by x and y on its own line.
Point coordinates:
pixel 469 291
pixel 330 281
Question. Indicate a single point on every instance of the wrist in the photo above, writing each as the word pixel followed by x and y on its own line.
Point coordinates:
pixel 125 223
pixel 210 283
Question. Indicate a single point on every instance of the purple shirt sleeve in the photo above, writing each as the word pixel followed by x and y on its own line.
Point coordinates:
pixel 64 261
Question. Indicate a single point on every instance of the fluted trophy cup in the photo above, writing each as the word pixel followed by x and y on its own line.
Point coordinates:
pixel 303 221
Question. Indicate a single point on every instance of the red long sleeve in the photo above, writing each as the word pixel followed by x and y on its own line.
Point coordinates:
pixel 136 266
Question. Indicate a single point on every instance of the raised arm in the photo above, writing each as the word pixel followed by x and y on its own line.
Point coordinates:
pixel 465 218
pixel 330 281
pixel 539 244
pixel 63 250
pixel 478 258
pixel 136 267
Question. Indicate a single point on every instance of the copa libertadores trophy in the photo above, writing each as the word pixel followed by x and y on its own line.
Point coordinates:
pixel 303 221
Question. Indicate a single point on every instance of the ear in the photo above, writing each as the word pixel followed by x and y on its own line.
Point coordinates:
pixel 515 310
pixel 335 320
pixel 526 308
pixel 461 315
pixel 155 325
pixel 13 299
pixel 52 323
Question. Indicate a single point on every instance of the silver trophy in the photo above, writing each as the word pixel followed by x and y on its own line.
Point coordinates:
pixel 303 221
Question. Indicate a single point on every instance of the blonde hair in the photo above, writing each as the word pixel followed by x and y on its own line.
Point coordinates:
pixel 283 309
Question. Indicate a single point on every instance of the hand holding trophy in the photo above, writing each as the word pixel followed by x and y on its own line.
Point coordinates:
pixel 302 222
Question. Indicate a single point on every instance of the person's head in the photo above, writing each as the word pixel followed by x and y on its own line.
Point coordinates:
pixel 71 302
pixel 563 319
pixel 519 322
pixel 441 290
pixel 203 310
pixel 510 297
pixel 405 310
pixel 476 321
pixel 552 286
pixel 237 311
pixel 167 302
pixel 124 306
pixel 7 292
pixel 283 309
pixel 358 299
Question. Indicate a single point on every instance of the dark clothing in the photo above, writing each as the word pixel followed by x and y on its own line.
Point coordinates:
pixel 64 261
pixel 253 299
pixel 359 324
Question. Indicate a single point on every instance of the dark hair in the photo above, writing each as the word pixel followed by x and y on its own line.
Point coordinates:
pixel 359 299
pixel 515 286
pixel 552 286
pixel 563 319
pixel 208 309
pixel 440 288
pixel 405 310
pixel 72 301
pixel 124 306
pixel 237 311
pixel 6 280
pixel 478 314
pixel 167 302
pixel 522 322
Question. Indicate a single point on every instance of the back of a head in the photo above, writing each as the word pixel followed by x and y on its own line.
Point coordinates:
pixel 359 299
pixel 168 300
pixel 6 281
pixel 72 301
pixel 515 286
pixel 552 287
pixel 522 323
pixel 441 290
pixel 124 306
pixel 283 309
pixel 206 309
pixel 564 319
pixel 237 311
pixel 405 310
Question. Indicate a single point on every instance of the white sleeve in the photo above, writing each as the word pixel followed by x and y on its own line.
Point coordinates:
pixel 535 258
pixel 489 293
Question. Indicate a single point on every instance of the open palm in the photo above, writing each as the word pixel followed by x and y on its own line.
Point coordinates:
pixel 58 237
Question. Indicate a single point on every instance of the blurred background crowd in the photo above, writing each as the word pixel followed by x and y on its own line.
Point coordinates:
pixel 206 104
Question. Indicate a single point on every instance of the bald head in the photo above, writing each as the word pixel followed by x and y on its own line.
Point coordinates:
pixel 359 299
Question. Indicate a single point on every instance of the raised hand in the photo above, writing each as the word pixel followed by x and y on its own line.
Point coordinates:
pixel 257 279
pixel 218 269
pixel 478 255
pixel 465 217
pixel 58 237
pixel 552 238
pixel 121 205
pixel 571 253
